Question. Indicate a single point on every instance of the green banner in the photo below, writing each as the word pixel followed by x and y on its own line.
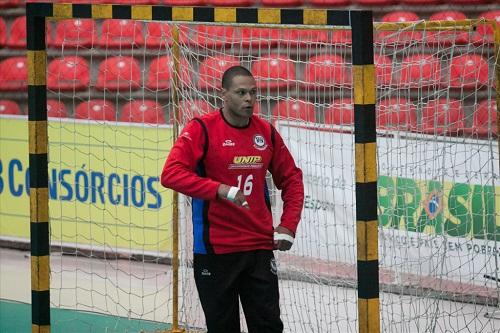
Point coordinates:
pixel 453 209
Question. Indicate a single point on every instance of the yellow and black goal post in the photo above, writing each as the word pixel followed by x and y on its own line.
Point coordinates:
pixel 364 97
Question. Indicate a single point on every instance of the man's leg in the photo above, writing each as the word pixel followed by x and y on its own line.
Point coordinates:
pixel 216 280
pixel 259 294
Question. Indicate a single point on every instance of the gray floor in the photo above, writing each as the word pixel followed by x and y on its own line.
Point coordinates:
pixel 142 291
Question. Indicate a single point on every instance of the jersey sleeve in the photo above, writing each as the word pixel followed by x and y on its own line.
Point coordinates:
pixel 179 172
pixel 288 178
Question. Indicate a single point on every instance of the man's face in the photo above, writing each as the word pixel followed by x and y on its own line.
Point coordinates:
pixel 240 97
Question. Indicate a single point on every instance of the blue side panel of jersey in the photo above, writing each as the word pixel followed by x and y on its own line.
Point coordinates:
pixel 199 245
pixel 267 197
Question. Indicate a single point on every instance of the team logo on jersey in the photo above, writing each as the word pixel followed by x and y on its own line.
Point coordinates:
pixel 228 143
pixel 259 142
pixel 246 162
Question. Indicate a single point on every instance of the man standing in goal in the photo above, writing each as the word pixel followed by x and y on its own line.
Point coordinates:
pixel 221 160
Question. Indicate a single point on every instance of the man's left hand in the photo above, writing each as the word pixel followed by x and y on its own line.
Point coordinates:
pixel 283 244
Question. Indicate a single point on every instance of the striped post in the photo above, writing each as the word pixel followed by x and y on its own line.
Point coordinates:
pixel 175 196
pixel 365 135
pixel 38 163
pixel 496 34
pixel 366 172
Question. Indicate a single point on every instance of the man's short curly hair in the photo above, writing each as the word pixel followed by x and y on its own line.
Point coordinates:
pixel 231 72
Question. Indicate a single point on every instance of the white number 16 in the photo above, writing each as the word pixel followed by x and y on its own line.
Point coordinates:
pixel 247 186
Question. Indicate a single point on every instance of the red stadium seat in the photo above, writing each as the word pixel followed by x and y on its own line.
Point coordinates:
pixel 95 110
pixel 468 71
pixel 421 2
pixel 214 36
pixel 185 2
pixel 16 39
pixel 274 71
pixel 190 109
pixel 259 37
pixel 383 70
pixel 78 1
pixel 158 35
pixel 326 70
pixel 121 34
pixel 281 3
pixel 329 3
pixel 467 2
pixel 340 112
pixel 9 107
pixel 75 33
pixel 131 2
pixel 484 32
pixel 11 3
pixel 211 70
pixel 142 111
pixel 485 119
pixel 3 32
pixel 14 74
pixel 294 110
pixel 68 73
pixel 231 3
pixel 160 73
pixel 375 2
pixel 117 73
pixel 420 71
pixel 398 38
pixel 443 117
pixel 17 36
pixel 396 114
pixel 342 36
pixel 56 109
pixel 303 37
pixel 446 38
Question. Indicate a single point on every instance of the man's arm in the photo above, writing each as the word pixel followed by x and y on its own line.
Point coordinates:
pixel 179 172
pixel 288 178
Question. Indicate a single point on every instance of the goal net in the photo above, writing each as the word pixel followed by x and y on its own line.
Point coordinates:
pixel 111 123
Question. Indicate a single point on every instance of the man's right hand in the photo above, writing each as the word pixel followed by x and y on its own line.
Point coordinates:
pixel 239 198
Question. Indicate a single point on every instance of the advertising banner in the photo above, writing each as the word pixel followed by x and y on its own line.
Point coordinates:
pixel 436 197
pixel 103 184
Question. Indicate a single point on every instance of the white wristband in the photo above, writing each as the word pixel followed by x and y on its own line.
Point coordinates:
pixel 231 194
pixel 278 237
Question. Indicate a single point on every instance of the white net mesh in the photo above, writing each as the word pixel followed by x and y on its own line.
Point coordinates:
pixel 437 158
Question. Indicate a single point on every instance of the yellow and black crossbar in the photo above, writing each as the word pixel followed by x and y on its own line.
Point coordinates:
pixel 361 23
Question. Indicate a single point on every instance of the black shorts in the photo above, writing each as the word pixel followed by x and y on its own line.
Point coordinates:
pixel 251 276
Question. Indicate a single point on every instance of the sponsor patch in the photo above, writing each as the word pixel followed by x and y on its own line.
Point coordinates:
pixel 259 142
pixel 246 162
pixel 228 143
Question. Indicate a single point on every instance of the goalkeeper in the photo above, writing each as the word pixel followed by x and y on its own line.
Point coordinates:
pixel 221 160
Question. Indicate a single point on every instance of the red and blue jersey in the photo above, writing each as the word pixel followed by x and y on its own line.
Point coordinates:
pixel 210 152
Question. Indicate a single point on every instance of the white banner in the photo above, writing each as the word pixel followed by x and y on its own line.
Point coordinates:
pixel 436 199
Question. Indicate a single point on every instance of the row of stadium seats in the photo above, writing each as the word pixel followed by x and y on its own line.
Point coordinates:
pixel 73 73
pixel 269 3
pixel 130 33
pixel 442 116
